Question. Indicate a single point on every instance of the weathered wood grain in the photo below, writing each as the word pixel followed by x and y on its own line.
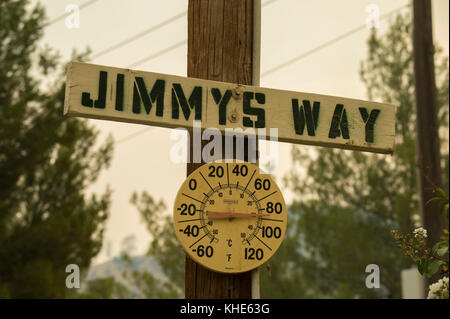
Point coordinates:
pixel 219 48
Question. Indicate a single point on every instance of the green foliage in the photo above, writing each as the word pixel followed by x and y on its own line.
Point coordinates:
pixel 442 198
pixel 429 261
pixel 282 274
pixel 348 202
pixel 164 246
pixel 46 163
pixel 104 288
pixel 131 284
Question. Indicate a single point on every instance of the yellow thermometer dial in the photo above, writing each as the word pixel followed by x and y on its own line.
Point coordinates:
pixel 230 216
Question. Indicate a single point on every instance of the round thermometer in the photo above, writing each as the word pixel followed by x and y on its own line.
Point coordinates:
pixel 230 217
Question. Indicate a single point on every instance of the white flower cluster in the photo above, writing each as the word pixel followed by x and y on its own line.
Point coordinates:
pixel 439 290
pixel 420 232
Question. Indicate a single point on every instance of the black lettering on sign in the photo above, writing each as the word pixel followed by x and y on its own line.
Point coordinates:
pixel 369 120
pixel 249 110
pixel 179 100
pixel 222 102
pixel 339 123
pixel 156 95
pixel 119 92
pixel 305 115
pixel 251 253
pixel 100 103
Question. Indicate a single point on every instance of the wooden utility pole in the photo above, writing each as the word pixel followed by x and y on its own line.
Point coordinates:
pixel 427 119
pixel 220 48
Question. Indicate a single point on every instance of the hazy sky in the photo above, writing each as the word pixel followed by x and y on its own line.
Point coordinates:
pixel 289 28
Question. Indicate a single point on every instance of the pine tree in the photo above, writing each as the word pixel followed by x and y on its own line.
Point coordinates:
pixel 47 220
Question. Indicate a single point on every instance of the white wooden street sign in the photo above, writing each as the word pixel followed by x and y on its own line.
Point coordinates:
pixel 102 92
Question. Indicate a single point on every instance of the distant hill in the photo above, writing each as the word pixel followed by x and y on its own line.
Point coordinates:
pixel 115 268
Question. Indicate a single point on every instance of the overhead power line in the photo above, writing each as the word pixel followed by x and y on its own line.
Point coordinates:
pixel 139 35
pixel 133 135
pixel 81 7
pixel 327 43
pixel 268 2
pixel 278 67
pixel 176 45
pixel 153 56
pixel 159 53
pixel 150 30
